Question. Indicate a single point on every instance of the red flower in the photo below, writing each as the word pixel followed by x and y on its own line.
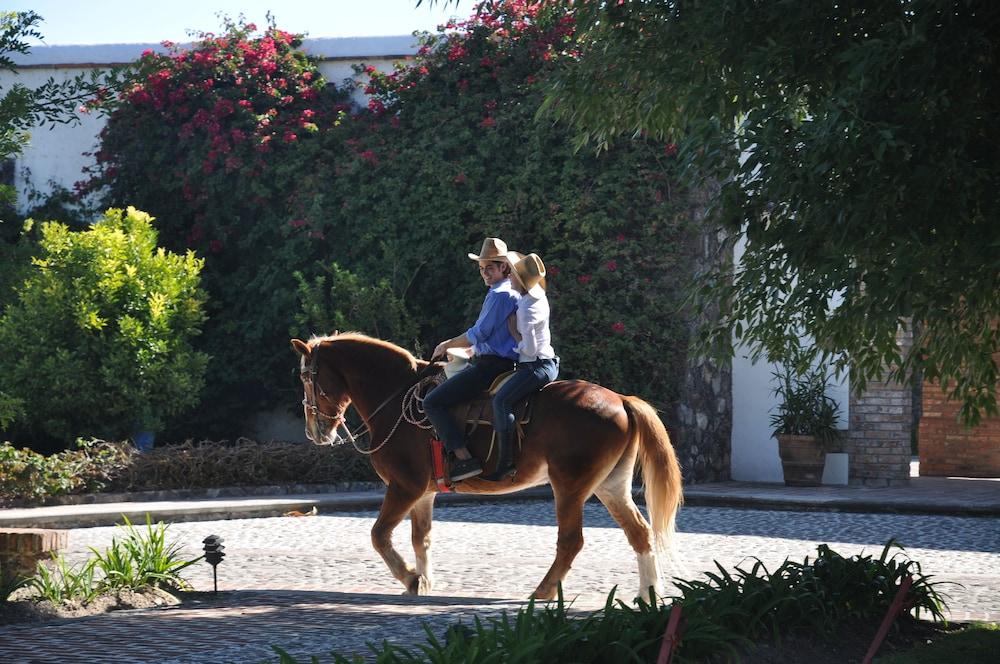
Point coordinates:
pixel 670 149
pixel 584 279
pixel 618 327
pixel 290 137
pixel 297 223
pixel 487 122
pixel 490 105
pixel 552 271
pixel 620 237
pixel 460 178
pixel 370 157
pixel 611 266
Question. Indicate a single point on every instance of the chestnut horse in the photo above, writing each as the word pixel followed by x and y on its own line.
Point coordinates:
pixel 583 439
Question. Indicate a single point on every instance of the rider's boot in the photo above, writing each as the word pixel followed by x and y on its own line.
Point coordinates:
pixel 505 457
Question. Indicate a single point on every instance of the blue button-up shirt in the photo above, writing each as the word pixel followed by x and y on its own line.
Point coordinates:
pixel 490 335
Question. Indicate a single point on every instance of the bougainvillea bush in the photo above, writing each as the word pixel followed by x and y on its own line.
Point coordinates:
pixel 269 180
pixel 208 140
pixel 448 151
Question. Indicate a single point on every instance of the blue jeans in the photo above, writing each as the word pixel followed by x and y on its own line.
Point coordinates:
pixel 464 386
pixel 529 377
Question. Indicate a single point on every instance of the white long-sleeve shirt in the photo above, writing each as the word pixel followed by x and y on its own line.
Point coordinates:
pixel 533 326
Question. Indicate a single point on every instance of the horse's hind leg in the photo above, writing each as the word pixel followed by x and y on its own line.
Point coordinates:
pixel 395 506
pixel 569 514
pixel 616 494
pixel 420 534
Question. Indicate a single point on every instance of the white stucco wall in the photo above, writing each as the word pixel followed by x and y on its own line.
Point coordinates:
pixel 754 453
pixel 56 154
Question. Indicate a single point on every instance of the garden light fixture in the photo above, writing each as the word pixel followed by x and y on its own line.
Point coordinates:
pixel 214 553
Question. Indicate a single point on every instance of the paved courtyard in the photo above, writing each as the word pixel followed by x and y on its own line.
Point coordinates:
pixel 314 585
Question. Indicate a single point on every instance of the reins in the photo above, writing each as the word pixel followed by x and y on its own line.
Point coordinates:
pixel 411 408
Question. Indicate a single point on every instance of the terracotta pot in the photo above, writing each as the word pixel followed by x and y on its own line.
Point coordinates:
pixel 802 460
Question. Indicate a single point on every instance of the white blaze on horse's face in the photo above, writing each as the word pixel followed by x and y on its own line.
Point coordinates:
pixel 319 429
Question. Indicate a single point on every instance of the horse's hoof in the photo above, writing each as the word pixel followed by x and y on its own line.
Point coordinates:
pixel 420 585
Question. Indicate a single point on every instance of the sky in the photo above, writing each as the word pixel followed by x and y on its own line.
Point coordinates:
pixel 137 21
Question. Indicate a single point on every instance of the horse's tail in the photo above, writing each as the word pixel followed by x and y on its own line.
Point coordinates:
pixel 661 472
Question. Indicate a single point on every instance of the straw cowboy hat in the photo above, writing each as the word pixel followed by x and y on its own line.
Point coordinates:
pixel 529 271
pixel 494 249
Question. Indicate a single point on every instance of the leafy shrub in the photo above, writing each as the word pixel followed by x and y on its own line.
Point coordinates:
pixel 92 466
pixel 804 408
pixel 98 466
pixel 141 559
pixel 64 582
pixel 99 341
pixel 340 300
pixel 722 615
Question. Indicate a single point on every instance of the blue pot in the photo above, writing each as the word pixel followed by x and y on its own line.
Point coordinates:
pixel 144 440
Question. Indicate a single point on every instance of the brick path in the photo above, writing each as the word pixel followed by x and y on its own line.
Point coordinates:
pixel 313 585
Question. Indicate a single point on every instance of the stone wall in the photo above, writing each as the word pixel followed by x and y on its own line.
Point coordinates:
pixel 703 435
pixel 881 427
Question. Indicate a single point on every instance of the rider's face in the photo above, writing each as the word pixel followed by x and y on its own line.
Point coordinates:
pixel 491 272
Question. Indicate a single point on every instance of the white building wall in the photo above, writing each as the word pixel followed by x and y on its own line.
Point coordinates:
pixel 56 153
pixel 754 450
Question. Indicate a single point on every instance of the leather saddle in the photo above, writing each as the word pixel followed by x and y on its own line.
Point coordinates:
pixel 479 412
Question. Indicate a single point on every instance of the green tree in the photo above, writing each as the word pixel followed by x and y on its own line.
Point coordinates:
pixel 99 340
pixel 857 150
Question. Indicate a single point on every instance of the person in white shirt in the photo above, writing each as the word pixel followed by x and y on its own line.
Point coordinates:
pixel 537 364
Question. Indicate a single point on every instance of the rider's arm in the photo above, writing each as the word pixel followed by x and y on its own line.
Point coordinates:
pixel 461 341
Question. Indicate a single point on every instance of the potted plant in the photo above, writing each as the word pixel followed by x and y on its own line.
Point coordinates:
pixel 805 425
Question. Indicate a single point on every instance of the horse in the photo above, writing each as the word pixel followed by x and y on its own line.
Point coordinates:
pixel 583 440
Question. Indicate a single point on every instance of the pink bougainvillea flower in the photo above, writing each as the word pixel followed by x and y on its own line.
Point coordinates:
pixel 584 279
pixel 487 122
pixel 297 223
pixel 620 237
pixel 670 149
pixel 552 271
pixel 460 178
pixel 611 265
pixel 370 157
pixel 618 327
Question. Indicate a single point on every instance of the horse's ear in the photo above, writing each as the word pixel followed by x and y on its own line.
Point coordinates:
pixel 300 347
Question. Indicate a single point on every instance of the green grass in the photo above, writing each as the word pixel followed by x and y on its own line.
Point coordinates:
pixel 979 643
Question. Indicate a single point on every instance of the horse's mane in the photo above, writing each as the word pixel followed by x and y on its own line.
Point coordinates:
pixel 366 340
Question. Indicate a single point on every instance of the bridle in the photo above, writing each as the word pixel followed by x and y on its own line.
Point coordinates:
pixel 410 410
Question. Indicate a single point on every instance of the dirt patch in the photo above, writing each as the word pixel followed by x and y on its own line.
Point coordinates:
pixel 21 608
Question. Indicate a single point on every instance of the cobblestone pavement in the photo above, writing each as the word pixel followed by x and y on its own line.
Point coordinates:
pixel 314 585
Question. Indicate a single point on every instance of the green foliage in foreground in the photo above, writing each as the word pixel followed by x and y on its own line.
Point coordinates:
pixel 723 614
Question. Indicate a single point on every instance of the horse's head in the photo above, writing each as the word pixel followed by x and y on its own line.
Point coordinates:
pixel 325 398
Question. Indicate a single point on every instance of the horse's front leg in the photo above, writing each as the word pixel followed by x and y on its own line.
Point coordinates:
pixel 420 534
pixel 395 506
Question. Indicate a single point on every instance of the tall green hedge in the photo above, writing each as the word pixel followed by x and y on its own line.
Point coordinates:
pixel 447 152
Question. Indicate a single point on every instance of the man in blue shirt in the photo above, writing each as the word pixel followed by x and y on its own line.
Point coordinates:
pixel 494 351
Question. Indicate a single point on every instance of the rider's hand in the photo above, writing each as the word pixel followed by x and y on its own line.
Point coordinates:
pixel 439 350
